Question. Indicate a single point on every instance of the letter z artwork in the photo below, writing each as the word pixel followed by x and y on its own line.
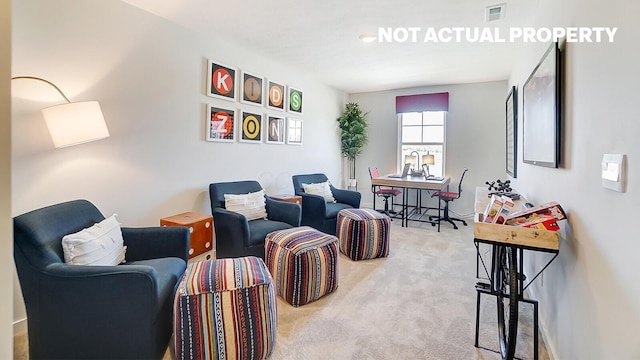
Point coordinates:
pixel 220 124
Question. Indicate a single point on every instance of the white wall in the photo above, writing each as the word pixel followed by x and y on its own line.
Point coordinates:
pixel 590 296
pixel 474 139
pixel 149 76
pixel 6 233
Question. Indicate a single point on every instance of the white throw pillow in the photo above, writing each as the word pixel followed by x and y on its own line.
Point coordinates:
pixel 251 205
pixel 323 189
pixel 100 244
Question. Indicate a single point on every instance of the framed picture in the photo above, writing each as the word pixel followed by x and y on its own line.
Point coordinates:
pixel 220 124
pixel 511 108
pixel 541 109
pixel 275 95
pixel 252 89
pixel 250 127
pixel 275 129
pixel 221 81
pixel 294 131
pixel 295 100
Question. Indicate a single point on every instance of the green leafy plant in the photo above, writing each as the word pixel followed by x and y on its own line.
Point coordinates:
pixel 353 134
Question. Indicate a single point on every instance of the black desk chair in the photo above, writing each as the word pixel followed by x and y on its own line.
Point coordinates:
pixel 447 197
pixel 385 193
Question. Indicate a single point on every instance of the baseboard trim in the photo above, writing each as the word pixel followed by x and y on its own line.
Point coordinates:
pixel 551 345
pixel 20 326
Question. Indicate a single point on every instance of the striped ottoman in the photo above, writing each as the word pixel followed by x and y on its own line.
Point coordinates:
pixel 225 309
pixel 363 233
pixel 303 262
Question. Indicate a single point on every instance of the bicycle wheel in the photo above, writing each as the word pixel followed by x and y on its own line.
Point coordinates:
pixel 506 287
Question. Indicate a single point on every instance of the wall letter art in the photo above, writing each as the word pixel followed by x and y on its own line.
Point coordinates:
pixel 295 101
pixel 251 127
pixel 220 124
pixel 275 129
pixel 221 82
pixel 252 89
pixel 276 95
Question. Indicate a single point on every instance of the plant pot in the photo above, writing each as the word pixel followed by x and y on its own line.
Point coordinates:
pixel 352 184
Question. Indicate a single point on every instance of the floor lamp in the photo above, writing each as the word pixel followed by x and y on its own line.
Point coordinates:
pixel 74 122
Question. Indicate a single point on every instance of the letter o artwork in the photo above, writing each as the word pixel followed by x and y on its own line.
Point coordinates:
pixel 251 128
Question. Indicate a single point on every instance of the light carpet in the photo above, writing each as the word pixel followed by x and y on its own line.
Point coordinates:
pixel 417 303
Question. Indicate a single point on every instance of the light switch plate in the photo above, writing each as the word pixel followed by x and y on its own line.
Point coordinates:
pixel 613 172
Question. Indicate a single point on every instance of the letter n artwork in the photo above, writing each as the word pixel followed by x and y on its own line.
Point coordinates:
pixel 221 82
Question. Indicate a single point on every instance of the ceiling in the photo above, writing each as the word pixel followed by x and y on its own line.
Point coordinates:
pixel 323 37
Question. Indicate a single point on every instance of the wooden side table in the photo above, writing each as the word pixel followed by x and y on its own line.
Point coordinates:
pixel 288 198
pixel 202 243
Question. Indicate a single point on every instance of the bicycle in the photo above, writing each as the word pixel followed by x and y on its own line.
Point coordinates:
pixel 505 288
pixel 507 284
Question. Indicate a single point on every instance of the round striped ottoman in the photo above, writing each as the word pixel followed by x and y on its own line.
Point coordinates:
pixel 225 309
pixel 303 262
pixel 363 233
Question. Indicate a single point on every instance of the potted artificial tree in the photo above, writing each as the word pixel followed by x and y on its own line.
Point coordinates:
pixel 353 136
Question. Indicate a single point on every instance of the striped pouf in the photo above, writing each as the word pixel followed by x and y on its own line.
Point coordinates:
pixel 303 262
pixel 363 233
pixel 225 309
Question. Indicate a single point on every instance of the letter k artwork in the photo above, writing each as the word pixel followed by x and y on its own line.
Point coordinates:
pixel 222 80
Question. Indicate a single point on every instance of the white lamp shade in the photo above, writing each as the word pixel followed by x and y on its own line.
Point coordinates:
pixel 410 159
pixel 428 159
pixel 75 123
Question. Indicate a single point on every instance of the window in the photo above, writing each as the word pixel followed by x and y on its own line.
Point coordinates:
pixel 424 133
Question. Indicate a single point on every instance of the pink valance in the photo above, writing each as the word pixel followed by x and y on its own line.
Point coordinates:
pixel 422 102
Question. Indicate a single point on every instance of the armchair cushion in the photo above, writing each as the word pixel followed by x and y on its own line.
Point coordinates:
pixel 258 230
pixel 323 189
pixel 334 208
pixel 100 244
pixel 251 205
pixel 168 271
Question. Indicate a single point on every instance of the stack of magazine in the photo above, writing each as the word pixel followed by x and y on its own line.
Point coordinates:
pixel 500 210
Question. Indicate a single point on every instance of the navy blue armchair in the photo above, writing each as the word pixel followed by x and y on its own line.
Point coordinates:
pixel 235 235
pixel 318 213
pixel 97 312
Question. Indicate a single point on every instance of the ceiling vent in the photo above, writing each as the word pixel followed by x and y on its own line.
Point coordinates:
pixel 494 12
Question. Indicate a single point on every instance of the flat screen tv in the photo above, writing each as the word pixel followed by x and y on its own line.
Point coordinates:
pixel 541 111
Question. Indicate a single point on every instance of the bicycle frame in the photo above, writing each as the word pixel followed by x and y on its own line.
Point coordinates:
pixel 494 290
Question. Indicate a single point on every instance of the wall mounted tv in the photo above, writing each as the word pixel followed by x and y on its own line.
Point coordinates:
pixel 541 111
